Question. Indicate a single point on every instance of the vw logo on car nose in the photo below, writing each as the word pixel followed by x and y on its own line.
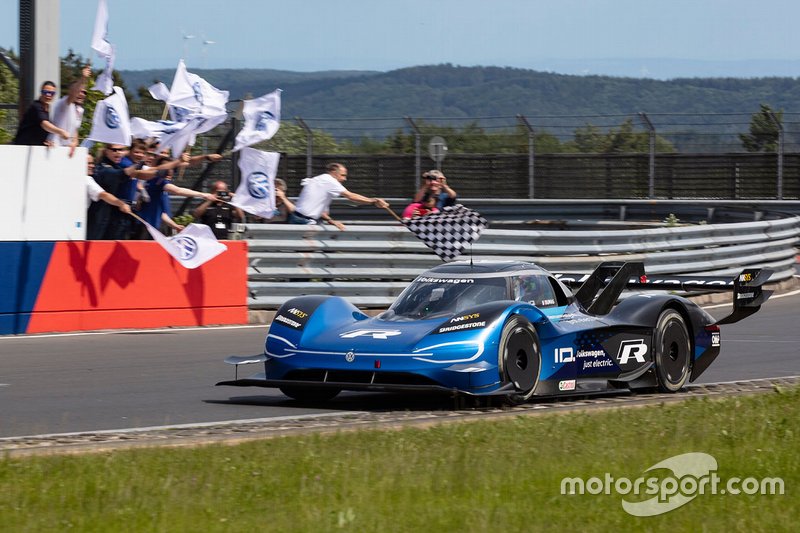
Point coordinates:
pixel 350 356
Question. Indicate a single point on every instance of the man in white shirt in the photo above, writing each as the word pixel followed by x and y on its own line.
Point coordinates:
pixel 318 192
pixel 68 112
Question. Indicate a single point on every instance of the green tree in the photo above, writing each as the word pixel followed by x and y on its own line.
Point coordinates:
pixel 9 94
pixel 764 131
pixel 622 140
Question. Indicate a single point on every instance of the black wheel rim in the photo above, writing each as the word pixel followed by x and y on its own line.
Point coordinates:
pixel 520 359
pixel 674 353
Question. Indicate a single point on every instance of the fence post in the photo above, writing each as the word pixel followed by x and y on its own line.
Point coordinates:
pixel 418 152
pixel 309 146
pixel 651 170
pixel 779 185
pixel 531 154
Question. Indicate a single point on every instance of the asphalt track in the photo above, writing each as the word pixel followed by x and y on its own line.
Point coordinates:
pixel 103 381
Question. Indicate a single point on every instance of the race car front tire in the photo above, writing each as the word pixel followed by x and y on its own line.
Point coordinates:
pixel 519 358
pixel 672 347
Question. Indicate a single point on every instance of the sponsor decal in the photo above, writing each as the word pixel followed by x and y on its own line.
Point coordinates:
pixel 459 327
pixel 635 349
pixel 471 316
pixel 380 334
pixel 445 280
pixel 743 295
pixel 297 312
pixel 567 384
pixel 548 302
pixel 564 355
pixel 715 338
pixel 590 354
pixel 747 276
pixel 288 321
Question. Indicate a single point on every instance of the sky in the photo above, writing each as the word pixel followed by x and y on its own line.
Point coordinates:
pixel 639 38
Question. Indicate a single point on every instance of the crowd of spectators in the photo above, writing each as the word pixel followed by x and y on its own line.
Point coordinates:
pixel 138 179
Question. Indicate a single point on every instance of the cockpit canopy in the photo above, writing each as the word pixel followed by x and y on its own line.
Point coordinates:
pixel 436 294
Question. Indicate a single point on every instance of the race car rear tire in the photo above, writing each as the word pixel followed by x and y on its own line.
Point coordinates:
pixel 672 351
pixel 519 358
pixel 302 394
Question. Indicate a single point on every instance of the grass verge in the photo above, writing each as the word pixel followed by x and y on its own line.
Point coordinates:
pixel 499 475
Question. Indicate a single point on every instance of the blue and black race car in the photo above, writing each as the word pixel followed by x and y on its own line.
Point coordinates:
pixel 503 328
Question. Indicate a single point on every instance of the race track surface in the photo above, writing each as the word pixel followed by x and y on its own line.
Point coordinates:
pixel 119 380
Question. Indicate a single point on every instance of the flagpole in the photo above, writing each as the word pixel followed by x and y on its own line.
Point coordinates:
pixel 400 220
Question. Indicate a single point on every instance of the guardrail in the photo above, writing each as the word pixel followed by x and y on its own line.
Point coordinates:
pixel 371 264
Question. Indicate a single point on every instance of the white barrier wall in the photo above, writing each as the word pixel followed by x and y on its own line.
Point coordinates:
pixel 44 194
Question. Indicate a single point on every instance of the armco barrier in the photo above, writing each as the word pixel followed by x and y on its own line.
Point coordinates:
pixel 370 265
pixel 89 285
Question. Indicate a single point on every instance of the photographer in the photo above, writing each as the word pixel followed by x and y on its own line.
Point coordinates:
pixel 219 215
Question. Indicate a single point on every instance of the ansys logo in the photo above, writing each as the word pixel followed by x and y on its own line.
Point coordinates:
pixel 186 246
pixel 112 118
pixel 258 185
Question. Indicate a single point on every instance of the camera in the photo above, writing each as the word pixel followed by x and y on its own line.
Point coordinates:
pixel 223 195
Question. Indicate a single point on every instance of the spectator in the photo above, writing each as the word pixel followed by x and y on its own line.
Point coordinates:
pixel 420 209
pixel 283 206
pixel 95 192
pixel 216 213
pixel 68 112
pixel 318 192
pixel 35 124
pixel 435 184
pixel 103 223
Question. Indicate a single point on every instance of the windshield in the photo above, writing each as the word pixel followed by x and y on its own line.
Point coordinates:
pixel 430 297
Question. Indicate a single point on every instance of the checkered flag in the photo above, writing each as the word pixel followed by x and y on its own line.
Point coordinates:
pixel 449 231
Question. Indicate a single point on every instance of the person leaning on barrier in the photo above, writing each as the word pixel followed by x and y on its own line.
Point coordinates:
pixel 435 184
pixel 95 192
pixel 68 112
pixel 318 192
pixel 35 125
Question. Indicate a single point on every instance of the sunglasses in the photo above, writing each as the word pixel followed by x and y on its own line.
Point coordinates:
pixel 49 93
pixel 117 149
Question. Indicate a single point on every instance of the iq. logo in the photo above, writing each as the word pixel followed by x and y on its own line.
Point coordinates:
pixel 671 483
pixel 258 185
pixel 112 118
pixel 187 247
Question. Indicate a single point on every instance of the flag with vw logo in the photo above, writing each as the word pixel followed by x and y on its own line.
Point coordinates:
pixel 111 123
pixel 105 81
pixel 192 247
pixel 149 129
pixel 262 117
pixel 256 193
pixel 192 92
pixel 104 49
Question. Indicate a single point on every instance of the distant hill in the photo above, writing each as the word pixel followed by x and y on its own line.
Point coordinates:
pixel 452 91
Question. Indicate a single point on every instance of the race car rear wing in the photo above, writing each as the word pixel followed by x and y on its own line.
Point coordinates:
pixel 599 291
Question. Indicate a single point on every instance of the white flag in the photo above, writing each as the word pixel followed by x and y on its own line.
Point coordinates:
pixel 262 117
pixel 192 247
pixel 105 81
pixel 192 92
pixel 177 140
pixel 99 42
pixel 159 91
pixel 111 122
pixel 256 193
pixel 148 129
